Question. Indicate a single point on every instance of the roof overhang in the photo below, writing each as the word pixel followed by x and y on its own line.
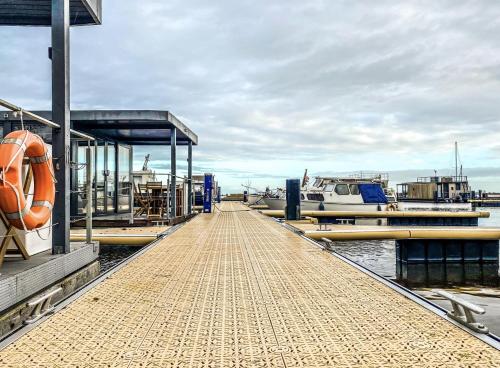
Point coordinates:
pixel 133 127
pixel 38 12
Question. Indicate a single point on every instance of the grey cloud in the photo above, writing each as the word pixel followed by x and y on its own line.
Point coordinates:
pixel 287 80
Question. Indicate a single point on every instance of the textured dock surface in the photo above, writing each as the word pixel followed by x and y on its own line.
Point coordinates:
pixel 235 289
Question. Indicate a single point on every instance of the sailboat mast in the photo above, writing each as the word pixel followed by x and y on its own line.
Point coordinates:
pixel 456 159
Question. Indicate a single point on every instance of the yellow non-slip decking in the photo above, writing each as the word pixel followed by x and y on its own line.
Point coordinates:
pixel 235 289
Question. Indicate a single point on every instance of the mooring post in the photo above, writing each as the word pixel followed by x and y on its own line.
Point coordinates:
pixel 61 116
pixel 292 209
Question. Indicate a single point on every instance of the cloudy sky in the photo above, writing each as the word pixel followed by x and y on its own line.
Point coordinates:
pixel 274 87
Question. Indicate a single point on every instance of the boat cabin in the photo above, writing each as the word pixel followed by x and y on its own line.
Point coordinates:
pixel 341 189
pixel 114 183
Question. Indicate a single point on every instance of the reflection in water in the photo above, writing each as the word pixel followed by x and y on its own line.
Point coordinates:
pixel 422 262
pixel 110 256
pixel 378 256
pixel 493 220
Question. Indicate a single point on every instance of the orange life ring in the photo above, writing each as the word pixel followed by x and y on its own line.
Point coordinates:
pixel 13 203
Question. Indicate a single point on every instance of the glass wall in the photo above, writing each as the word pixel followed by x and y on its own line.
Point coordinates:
pixel 111 182
pixel 100 177
pixel 124 183
pixel 110 178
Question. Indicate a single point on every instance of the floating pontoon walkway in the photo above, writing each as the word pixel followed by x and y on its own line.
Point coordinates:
pixel 236 289
pixel 360 232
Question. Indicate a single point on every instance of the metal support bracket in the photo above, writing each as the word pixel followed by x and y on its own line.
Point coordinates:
pixel 344 221
pixel 323 226
pixel 462 312
pixel 42 306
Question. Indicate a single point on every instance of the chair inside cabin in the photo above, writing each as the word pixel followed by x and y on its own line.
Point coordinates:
pixel 157 198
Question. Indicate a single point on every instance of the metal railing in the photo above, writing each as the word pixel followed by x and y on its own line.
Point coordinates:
pixel 50 124
pixel 442 179
pixel 20 112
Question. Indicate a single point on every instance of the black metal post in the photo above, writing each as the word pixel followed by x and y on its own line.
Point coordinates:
pixel 190 178
pixel 94 177
pixel 61 116
pixel 131 183
pixel 74 179
pixel 292 209
pixel 116 197
pixel 88 189
pixel 105 176
pixel 173 170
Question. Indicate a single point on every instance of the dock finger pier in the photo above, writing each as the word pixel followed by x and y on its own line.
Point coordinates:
pixel 237 289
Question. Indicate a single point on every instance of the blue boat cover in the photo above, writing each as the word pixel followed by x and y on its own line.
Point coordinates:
pixel 372 193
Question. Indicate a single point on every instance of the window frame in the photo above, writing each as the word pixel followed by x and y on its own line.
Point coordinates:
pixel 332 186
pixel 357 189
pixel 342 185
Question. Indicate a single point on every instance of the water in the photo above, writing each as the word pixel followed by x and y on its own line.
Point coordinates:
pixel 379 256
pixel 110 256
pixel 493 220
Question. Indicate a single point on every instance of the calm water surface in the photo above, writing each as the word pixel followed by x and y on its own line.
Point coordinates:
pixel 380 257
pixel 110 256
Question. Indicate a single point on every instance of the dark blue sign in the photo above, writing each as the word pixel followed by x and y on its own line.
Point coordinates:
pixel 207 194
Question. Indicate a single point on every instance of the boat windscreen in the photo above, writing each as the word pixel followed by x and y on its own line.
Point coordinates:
pixel 372 193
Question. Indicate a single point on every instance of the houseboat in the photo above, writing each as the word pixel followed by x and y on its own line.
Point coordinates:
pixel 435 193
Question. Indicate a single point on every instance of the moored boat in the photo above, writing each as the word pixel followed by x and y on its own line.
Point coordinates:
pixel 435 193
pixel 337 194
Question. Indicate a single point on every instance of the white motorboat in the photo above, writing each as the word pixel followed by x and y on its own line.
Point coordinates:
pixel 337 194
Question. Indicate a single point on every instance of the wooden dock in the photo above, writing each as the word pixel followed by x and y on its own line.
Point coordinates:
pixel 237 289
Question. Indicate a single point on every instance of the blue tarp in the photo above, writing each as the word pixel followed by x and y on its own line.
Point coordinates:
pixel 372 193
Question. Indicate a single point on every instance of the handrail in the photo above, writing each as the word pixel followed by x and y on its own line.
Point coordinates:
pixel 36 117
pixel 42 120
pixel 168 174
pixel 81 135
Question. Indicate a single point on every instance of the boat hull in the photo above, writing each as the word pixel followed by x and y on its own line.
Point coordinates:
pixel 254 199
pixel 279 204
